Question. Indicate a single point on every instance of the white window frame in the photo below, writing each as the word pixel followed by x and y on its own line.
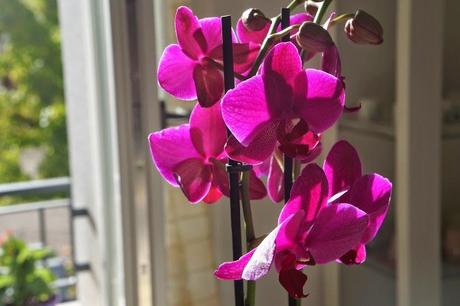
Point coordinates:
pixel 110 113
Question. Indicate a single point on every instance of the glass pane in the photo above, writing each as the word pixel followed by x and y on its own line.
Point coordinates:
pixel 33 137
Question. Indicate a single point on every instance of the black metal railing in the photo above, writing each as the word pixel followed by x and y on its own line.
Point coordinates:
pixel 166 116
pixel 40 187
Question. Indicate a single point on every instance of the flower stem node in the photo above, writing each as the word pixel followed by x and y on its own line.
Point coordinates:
pixel 363 28
pixel 254 19
pixel 313 38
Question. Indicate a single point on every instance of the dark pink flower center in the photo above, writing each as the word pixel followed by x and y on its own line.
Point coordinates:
pixel 295 138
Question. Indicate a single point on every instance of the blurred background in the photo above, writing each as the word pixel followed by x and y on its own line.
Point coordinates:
pixel 79 195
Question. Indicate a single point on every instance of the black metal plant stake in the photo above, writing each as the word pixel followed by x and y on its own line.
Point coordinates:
pixel 234 168
pixel 288 163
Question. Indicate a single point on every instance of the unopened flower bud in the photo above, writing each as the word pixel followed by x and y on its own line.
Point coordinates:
pixel 313 38
pixel 364 29
pixel 254 20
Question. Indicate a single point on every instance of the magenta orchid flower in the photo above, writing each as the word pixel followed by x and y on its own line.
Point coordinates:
pixel 281 104
pixel 370 193
pixel 309 232
pixel 191 156
pixel 191 69
pixel 245 35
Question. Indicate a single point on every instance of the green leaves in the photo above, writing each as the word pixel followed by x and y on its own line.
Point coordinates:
pixel 23 278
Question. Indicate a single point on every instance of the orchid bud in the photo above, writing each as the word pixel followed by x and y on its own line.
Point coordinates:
pixel 254 20
pixel 364 29
pixel 313 38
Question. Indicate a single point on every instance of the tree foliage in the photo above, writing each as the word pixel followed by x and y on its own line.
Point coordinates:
pixel 32 111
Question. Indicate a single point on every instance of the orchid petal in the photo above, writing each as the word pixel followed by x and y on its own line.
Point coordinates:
pixel 342 167
pixel 175 73
pixel 337 229
pixel 285 260
pixel 262 259
pixel 246 35
pixel 169 148
pixel 293 281
pixel 263 168
pixel 209 83
pixel 257 189
pixel 309 193
pixel 285 235
pixel 313 154
pixel 355 256
pixel 275 180
pixel 319 99
pixel 220 176
pixel 233 270
pixel 189 33
pixel 213 195
pixel 212 31
pixel 208 131
pixel 257 151
pixel 244 55
pixel 283 63
pixel 247 112
pixel 371 193
pixel 291 235
pixel 194 178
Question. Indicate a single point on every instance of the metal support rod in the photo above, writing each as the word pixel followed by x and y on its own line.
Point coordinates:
pixel 234 174
pixel 285 22
pixel 288 163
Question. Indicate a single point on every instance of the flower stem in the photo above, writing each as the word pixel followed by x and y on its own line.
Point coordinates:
pixel 342 17
pixel 251 293
pixel 247 212
pixel 297 168
pixel 282 33
pixel 322 10
pixel 250 234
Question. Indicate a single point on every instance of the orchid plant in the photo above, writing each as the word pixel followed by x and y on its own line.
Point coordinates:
pixel 276 114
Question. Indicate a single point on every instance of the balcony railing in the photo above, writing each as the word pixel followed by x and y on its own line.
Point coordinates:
pixel 64 283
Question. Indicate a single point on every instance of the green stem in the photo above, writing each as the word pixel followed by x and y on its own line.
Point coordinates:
pixel 342 17
pixel 250 234
pixel 251 293
pixel 282 33
pixel 247 212
pixel 297 168
pixel 322 10
pixel 268 39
